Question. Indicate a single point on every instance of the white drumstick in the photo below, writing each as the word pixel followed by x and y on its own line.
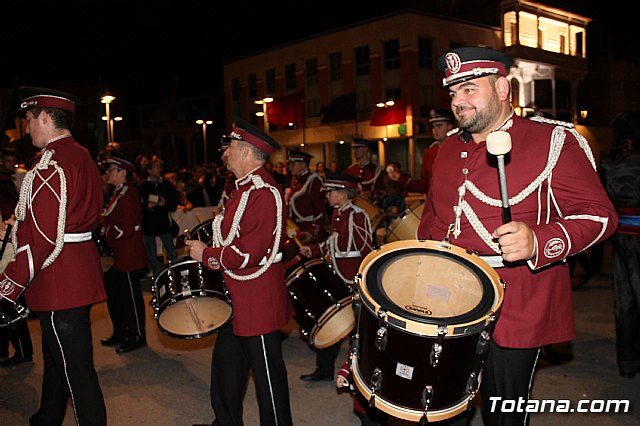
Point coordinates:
pixel 499 144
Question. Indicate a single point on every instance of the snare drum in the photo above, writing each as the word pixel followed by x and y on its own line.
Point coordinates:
pixel 203 232
pixel 427 310
pixel 406 226
pixel 11 313
pixel 322 303
pixel 190 301
pixel 375 213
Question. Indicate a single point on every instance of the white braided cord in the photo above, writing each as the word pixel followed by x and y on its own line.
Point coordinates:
pixel 220 241
pixel 25 203
pixel 558 137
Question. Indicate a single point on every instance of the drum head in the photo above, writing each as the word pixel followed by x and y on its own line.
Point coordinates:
pixel 194 317
pixel 429 285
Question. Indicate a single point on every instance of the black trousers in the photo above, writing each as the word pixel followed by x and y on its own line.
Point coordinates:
pixel 626 284
pixel 507 374
pixel 233 358
pixel 326 358
pixel 69 372
pixel 125 304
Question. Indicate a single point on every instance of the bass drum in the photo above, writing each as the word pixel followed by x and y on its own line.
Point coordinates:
pixel 322 303
pixel 406 226
pixel 375 213
pixel 190 301
pixel 427 310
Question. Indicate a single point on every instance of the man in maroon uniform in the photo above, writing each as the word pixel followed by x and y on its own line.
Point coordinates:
pixel 347 245
pixel 558 205
pixel 57 263
pixel 442 122
pixel 370 174
pixel 307 203
pixel 123 231
pixel 247 239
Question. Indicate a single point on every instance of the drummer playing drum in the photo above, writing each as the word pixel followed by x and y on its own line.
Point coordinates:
pixel 349 242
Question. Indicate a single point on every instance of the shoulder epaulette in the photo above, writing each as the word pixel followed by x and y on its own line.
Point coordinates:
pixel 453 131
pixel 540 119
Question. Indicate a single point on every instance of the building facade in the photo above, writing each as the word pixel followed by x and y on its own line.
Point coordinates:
pixel 393 58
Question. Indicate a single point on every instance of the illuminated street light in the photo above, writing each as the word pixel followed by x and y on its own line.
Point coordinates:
pixel 204 136
pixel 265 120
pixel 109 120
pixel 106 99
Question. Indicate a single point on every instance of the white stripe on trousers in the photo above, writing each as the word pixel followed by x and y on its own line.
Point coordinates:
pixel 64 363
pixel 266 365
pixel 133 302
pixel 533 369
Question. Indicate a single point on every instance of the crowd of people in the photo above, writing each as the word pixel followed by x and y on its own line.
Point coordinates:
pixel 323 213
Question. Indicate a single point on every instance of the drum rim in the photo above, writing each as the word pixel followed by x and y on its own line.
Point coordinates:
pixel 198 227
pixel 198 335
pixel 406 413
pixel 297 273
pixel 401 319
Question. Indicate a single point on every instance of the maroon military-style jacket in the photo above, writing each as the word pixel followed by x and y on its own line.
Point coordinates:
pixel 371 178
pixel 123 230
pixel 307 204
pixel 260 304
pixel 74 277
pixel 349 242
pixel 552 187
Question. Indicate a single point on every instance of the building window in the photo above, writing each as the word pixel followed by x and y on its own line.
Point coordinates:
pixel 270 81
pixel 425 53
pixel 312 72
pixel 253 85
pixel 391 54
pixel 363 64
pixel 335 66
pixel 235 89
pixel 290 76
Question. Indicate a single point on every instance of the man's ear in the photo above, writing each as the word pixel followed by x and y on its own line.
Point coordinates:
pixel 503 88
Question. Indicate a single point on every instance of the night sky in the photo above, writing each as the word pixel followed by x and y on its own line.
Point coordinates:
pixel 143 48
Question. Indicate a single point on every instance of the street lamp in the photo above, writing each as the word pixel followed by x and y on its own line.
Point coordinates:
pixel 106 99
pixel 109 120
pixel 204 135
pixel 264 101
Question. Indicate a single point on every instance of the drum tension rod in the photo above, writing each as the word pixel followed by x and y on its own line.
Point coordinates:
pixel 436 348
pixel 427 396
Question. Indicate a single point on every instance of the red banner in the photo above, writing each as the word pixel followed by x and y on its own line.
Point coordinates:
pixel 394 114
pixel 286 109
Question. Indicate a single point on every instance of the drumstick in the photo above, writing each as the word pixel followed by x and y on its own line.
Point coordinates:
pixel 499 144
pixel 194 315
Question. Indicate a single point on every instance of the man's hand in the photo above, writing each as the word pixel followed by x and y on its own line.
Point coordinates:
pixel 305 251
pixel 196 248
pixel 517 241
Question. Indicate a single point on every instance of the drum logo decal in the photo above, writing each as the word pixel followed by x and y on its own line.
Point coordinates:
pixel 404 371
pixel 418 310
pixel 213 263
pixel 554 247
pixel 6 287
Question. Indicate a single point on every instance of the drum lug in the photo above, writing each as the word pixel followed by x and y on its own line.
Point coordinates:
pixel 436 351
pixel 353 345
pixel 376 385
pixel 483 343
pixel 427 396
pixel 381 338
pixel 356 305
pixel 472 384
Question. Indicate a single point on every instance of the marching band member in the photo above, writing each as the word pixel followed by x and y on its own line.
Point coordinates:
pixel 57 264
pixel 247 239
pixel 306 202
pixel 123 232
pixel 558 205
pixel 349 242
pixel 370 174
